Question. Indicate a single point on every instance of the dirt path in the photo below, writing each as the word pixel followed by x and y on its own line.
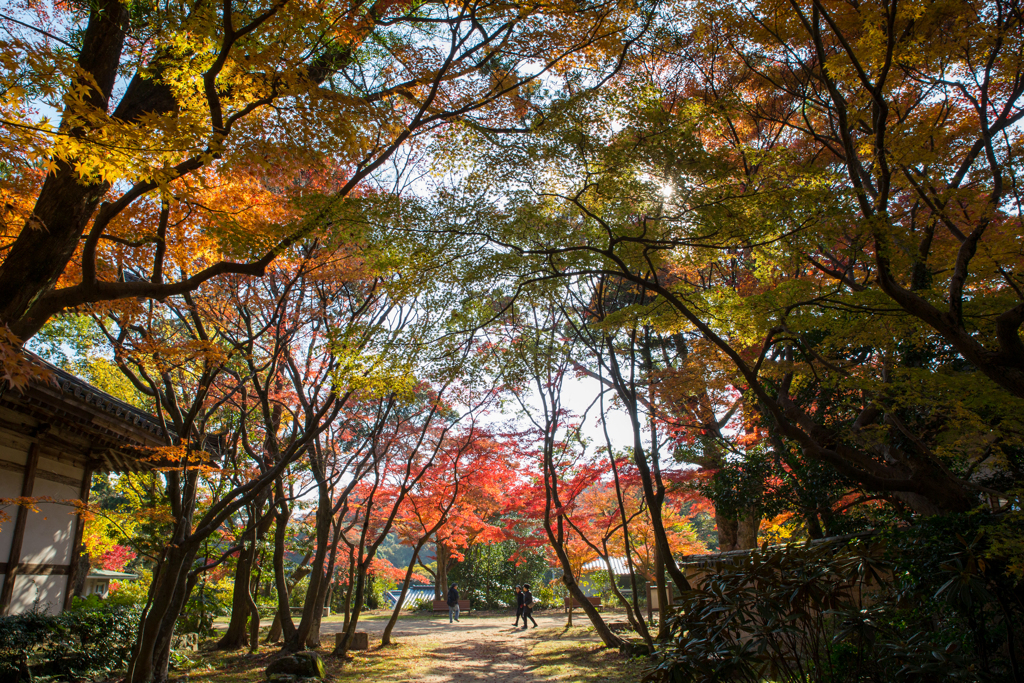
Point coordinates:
pixel 479 647
pixel 472 649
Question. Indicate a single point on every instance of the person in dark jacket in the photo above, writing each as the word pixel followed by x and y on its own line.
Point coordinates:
pixel 520 602
pixel 453 603
pixel 528 607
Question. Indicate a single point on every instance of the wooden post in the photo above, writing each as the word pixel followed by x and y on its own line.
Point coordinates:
pixel 14 561
pixel 76 548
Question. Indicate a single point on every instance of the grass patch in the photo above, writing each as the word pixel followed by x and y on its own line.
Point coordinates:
pixel 398 662
pixel 559 654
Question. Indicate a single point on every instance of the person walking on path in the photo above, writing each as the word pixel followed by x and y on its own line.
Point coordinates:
pixel 520 603
pixel 528 607
pixel 453 603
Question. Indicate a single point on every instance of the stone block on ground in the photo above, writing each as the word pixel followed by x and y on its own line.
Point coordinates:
pixel 360 640
pixel 187 642
pixel 299 665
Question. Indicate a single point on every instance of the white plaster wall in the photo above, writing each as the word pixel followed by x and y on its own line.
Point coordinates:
pixel 10 487
pixel 68 469
pixel 43 592
pixel 49 533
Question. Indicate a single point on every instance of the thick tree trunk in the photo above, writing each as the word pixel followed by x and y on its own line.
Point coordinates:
pixel 747 529
pixel 312 607
pixel 236 635
pixel 168 594
pixel 66 202
pixel 737 533
pixel 728 532
pixel 45 246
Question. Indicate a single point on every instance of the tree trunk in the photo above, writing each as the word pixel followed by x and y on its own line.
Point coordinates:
pixel 283 621
pixel 241 600
pixel 443 557
pixel 363 567
pixel 737 533
pixel 664 595
pixel 386 638
pixel 168 594
pixel 575 592
pixel 323 595
pixel 728 532
pixel 357 607
pixel 351 576
pixel 747 529
pixel 276 628
pixel 39 255
pixel 313 601
pixel 635 620
pixel 633 612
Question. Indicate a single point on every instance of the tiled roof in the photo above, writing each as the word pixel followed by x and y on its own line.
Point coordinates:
pixel 115 431
pixel 619 565
pixel 78 388
pixel 108 574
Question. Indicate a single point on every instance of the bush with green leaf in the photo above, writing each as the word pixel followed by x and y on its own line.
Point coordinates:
pixel 208 601
pixel 92 638
pixel 376 595
pixel 913 604
pixel 488 573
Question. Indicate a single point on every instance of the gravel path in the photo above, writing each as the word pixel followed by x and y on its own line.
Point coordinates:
pixel 476 648
pixel 473 649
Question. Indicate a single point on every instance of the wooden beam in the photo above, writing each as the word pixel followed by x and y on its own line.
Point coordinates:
pixel 37 569
pixel 27 485
pixel 40 474
pixel 76 548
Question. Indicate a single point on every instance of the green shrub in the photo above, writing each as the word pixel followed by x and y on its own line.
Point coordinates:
pixel 915 604
pixel 89 639
pixel 208 601
pixel 420 605
pixel 376 590
pixel 545 597
pixel 266 606
pixel 132 592
pixel 487 574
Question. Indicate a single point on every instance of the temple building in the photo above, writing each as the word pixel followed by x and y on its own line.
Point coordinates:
pixel 53 436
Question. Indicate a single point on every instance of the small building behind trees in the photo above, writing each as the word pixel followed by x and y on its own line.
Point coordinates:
pixel 54 435
pixel 97 581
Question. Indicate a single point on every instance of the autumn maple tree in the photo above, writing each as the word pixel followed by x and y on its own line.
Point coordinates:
pixel 120 120
pixel 779 243
pixel 763 209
